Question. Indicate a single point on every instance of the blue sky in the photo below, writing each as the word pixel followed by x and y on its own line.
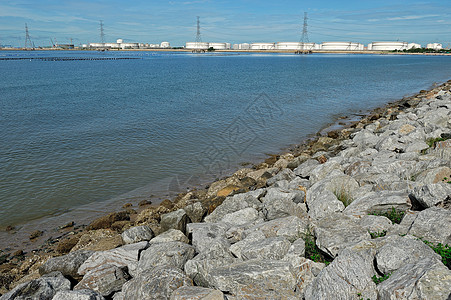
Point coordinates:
pixel 224 21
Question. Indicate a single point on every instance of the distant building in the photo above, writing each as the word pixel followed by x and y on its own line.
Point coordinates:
pixel 165 45
pixel 243 46
pixel 414 46
pixel 343 46
pixel 205 46
pixel 388 46
pixel 121 45
pixel 262 46
pixel 435 46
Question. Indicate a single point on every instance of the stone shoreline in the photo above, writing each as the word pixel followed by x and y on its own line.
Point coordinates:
pixel 311 223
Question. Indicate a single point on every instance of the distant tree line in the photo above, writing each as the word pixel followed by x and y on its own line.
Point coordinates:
pixel 423 50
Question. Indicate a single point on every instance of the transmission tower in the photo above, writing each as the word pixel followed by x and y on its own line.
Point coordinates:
pixel 28 42
pixel 198 36
pixel 304 36
pixel 102 33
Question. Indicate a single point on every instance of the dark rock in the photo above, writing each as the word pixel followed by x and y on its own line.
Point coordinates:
pixel 108 220
pixel 68 264
pixel 36 234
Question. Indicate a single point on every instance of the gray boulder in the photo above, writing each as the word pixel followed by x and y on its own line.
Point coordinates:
pixel 434 175
pixel 196 293
pixel 269 248
pixel 424 280
pixel 67 264
pixel 432 224
pixel 279 204
pixel 174 254
pixel 237 248
pixel 324 170
pixel 375 224
pixel 78 295
pixel 157 283
pixel 291 228
pixel 241 217
pixel 44 287
pixel 306 167
pixel 195 212
pixel 336 232
pixel 172 235
pixel 235 203
pixel 347 277
pixel 105 279
pixel 305 271
pixel 285 174
pixel 174 220
pixel 126 255
pixel 398 251
pixel 379 202
pixel 204 235
pixel 137 234
pixel 268 274
pixel 430 195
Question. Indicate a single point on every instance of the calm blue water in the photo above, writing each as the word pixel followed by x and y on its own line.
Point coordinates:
pixel 77 133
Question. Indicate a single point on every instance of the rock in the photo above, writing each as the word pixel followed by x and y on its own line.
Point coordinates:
pixel 270 248
pixel 98 240
pixel 263 174
pixel 297 249
pixel 196 293
pixel 123 256
pixel 398 251
pixel 119 296
pixel 68 264
pixel 347 277
pixel 268 275
pixel 78 295
pixel 285 174
pixel 406 129
pixel 305 271
pixel 375 224
pixel 432 224
pixel 137 234
pixel 291 228
pixel 35 234
pixel 206 235
pixel 174 220
pixel 237 248
pixel 241 217
pixel 157 283
pixel 44 287
pixel 108 220
pixel 365 138
pixel 426 279
pixel 322 171
pixel 336 232
pixel 430 195
pixel 279 204
pixel 306 167
pixel 434 175
pixel 172 235
pixel 417 146
pixel 236 203
pixel 195 212
pixel 378 202
pixel 174 254
pixel 104 279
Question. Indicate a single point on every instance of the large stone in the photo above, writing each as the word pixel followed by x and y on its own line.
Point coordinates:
pixel 285 174
pixel 430 195
pixel 98 240
pixel 67 264
pixel 237 248
pixel 291 228
pixel 137 234
pixel 173 253
pixel 336 232
pixel 305 271
pixel 424 280
pixel 236 203
pixel 306 167
pixel 432 224
pixel 267 274
pixel 105 279
pixel 78 295
pixel 204 235
pixel 172 235
pixel 322 171
pixel 195 212
pixel 279 204
pixel 378 202
pixel 347 277
pixel 434 175
pixel 241 217
pixel 123 256
pixel 196 293
pixel 398 251
pixel 270 248
pixel 376 224
pixel 156 284
pixel 174 220
pixel 44 287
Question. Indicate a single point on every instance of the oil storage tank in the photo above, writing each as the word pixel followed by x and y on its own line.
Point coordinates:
pixel 195 45
pixel 217 46
pixel 262 46
pixel 342 46
pixel 388 46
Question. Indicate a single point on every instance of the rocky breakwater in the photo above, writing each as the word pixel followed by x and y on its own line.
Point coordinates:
pixel 361 214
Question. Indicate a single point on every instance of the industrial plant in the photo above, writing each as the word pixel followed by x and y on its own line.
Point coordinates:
pixel 120 45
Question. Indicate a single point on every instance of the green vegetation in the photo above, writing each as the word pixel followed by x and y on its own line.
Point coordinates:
pixel 343 196
pixel 423 50
pixel 394 215
pixel 312 251
pixel 445 179
pixel 431 142
pixel 443 250
pixel 378 280
pixel 377 234
pixel 211 49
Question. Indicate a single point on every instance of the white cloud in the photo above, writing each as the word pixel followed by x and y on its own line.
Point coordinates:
pixel 412 17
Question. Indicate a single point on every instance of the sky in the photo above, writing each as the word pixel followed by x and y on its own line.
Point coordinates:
pixel 245 21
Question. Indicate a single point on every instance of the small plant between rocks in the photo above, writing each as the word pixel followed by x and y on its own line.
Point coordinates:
pixel 377 234
pixel 394 215
pixel 443 250
pixel 343 196
pixel 431 142
pixel 378 280
pixel 312 251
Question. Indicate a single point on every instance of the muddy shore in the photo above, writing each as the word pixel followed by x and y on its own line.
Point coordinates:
pixel 18 266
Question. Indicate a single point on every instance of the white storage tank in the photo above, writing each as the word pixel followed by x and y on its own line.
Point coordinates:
pixel 288 46
pixel 129 46
pixel 435 46
pixel 341 46
pixel 217 46
pixel 96 45
pixel 165 45
pixel 388 46
pixel 119 41
pixel 262 46
pixel 194 45
pixel 112 45
pixel 228 46
pixel 413 46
